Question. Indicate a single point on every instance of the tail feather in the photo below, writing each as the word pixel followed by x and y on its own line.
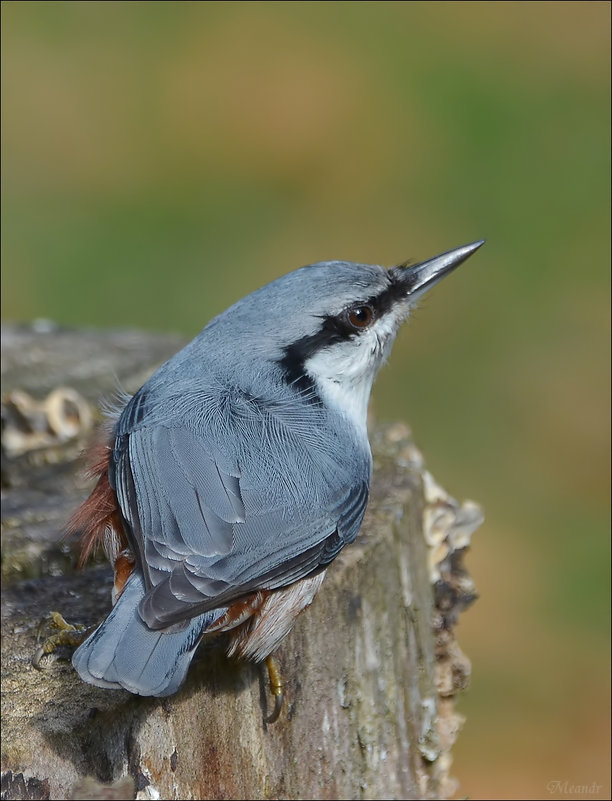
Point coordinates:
pixel 124 652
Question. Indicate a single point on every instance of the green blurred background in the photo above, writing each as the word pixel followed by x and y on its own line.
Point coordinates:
pixel 161 159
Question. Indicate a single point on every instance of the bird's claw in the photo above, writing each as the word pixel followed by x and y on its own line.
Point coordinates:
pixel 276 688
pixel 67 634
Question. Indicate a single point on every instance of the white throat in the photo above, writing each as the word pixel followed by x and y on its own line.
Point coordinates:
pixel 350 398
pixel 344 372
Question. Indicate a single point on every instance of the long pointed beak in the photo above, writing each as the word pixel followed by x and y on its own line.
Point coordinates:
pixel 421 277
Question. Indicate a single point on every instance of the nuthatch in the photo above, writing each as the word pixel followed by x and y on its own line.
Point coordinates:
pixel 240 469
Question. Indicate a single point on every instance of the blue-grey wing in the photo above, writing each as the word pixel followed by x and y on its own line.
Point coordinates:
pixel 203 533
pixel 176 498
pixel 197 585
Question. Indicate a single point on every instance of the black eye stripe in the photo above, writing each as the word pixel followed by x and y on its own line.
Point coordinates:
pixel 334 329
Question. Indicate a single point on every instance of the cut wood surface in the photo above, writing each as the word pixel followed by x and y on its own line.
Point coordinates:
pixel 370 670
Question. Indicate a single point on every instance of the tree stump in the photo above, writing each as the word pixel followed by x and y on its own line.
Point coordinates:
pixel 370 670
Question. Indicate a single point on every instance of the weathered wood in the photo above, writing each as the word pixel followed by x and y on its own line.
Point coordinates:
pixel 370 669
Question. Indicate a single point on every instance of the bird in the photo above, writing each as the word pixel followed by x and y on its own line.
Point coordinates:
pixel 229 482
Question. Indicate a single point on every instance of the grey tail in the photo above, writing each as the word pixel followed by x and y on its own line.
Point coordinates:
pixel 124 652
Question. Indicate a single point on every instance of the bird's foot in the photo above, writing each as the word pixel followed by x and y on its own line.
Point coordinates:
pixel 276 688
pixel 67 634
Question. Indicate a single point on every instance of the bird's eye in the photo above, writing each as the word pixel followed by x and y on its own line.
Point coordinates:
pixel 360 316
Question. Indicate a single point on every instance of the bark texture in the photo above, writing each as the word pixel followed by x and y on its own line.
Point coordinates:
pixel 370 670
